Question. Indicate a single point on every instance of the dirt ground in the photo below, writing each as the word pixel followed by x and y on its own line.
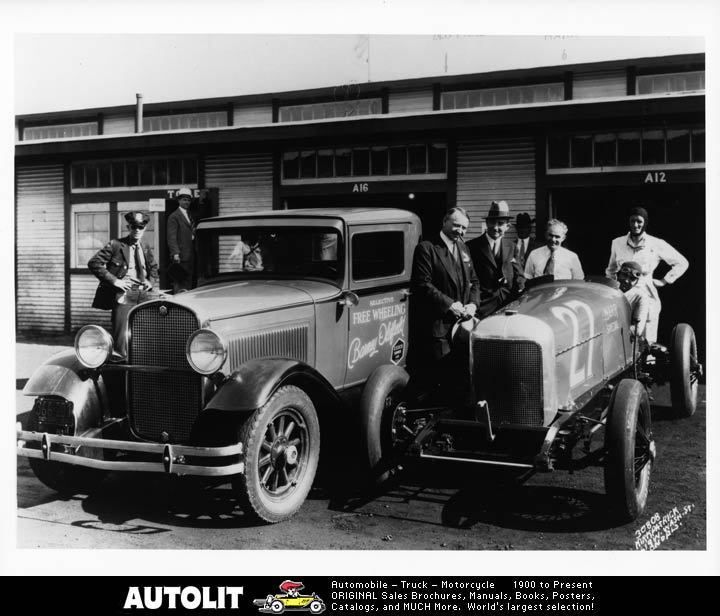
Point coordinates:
pixel 433 507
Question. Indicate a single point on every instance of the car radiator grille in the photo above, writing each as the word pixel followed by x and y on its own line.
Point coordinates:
pixel 508 375
pixel 162 403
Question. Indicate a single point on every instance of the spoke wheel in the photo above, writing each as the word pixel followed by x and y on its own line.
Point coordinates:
pixel 630 450
pixel 281 442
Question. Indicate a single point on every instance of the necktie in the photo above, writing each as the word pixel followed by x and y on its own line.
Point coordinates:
pixel 139 265
pixel 550 265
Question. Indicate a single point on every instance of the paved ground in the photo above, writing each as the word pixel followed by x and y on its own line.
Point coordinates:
pixel 440 508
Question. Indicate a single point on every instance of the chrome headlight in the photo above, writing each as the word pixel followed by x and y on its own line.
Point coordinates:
pixel 93 346
pixel 206 351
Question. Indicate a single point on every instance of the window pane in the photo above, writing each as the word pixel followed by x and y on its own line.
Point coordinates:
pixel 604 150
pixel 174 171
pixel 104 174
pixel 343 162
pixel 379 160
pixel 629 148
pixel 307 164
pixel 118 174
pixel 653 147
pixel 379 254
pixel 581 150
pixel 361 162
pixel 160 172
pixel 91 175
pixel 325 163
pixel 416 158
pixel 78 176
pixel 447 101
pixel 678 146
pixel 84 222
pixel 190 172
pixel 131 170
pixel 437 158
pixel 558 152
pixel 291 165
pixel 698 145
pixel 145 172
pixel 398 160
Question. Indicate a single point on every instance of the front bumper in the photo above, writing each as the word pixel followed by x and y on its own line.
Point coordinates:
pixel 170 459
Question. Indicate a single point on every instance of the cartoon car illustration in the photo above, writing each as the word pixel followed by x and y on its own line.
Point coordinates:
pixel 290 599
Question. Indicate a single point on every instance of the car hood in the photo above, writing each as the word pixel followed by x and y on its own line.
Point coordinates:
pixel 228 299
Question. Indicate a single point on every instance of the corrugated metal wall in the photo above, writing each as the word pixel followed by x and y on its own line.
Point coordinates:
pixel 82 313
pixel 599 84
pixel 409 101
pixel 495 169
pixel 252 114
pixel 40 242
pixel 245 182
pixel 119 124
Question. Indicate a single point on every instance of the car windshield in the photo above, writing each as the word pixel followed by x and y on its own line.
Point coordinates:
pixel 277 251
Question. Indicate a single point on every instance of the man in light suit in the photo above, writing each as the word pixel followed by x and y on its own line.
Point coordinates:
pixel 180 241
pixel 501 278
pixel 128 276
pixel 445 288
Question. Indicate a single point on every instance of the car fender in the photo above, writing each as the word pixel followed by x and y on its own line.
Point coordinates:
pixel 64 376
pixel 257 380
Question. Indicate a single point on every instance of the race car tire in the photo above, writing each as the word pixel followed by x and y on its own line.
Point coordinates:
pixel 629 450
pixel 378 408
pixel 683 380
pixel 281 445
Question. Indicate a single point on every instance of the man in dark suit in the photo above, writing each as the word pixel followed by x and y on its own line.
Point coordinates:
pixel 500 275
pixel 128 276
pixel 180 236
pixel 524 243
pixel 445 289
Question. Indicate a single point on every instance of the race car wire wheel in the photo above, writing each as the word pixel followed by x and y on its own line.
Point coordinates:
pixel 281 441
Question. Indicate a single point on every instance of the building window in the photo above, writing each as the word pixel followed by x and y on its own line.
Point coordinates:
pixel 671 82
pixel 185 121
pixel 134 173
pixel 60 131
pixel 513 95
pixel 649 147
pixel 90 231
pixel 377 255
pixel 390 162
pixel 327 111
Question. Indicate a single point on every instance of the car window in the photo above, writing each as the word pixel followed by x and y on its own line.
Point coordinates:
pixel 275 251
pixel 377 254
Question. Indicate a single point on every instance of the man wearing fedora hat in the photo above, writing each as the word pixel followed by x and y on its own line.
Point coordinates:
pixel 128 276
pixel 524 243
pixel 499 272
pixel 180 236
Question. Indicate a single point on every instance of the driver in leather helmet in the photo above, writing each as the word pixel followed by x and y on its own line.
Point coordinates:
pixel 628 277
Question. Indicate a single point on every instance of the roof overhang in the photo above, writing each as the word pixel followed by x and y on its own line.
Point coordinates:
pixel 643 109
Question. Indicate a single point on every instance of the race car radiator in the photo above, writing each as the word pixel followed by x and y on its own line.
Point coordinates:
pixel 508 375
pixel 163 406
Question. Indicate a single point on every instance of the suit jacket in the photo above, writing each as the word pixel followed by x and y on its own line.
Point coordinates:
pixel 522 257
pixel 110 263
pixel 437 282
pixel 180 238
pixel 500 280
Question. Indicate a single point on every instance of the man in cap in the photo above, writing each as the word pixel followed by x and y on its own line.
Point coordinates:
pixel 628 276
pixel 524 244
pixel 180 237
pixel 553 259
pixel 445 289
pixel 647 251
pixel 128 276
pixel 499 272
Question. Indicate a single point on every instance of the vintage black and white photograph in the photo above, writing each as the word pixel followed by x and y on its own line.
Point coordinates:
pixel 339 291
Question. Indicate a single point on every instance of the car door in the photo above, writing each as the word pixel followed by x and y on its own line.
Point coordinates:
pixel 379 275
